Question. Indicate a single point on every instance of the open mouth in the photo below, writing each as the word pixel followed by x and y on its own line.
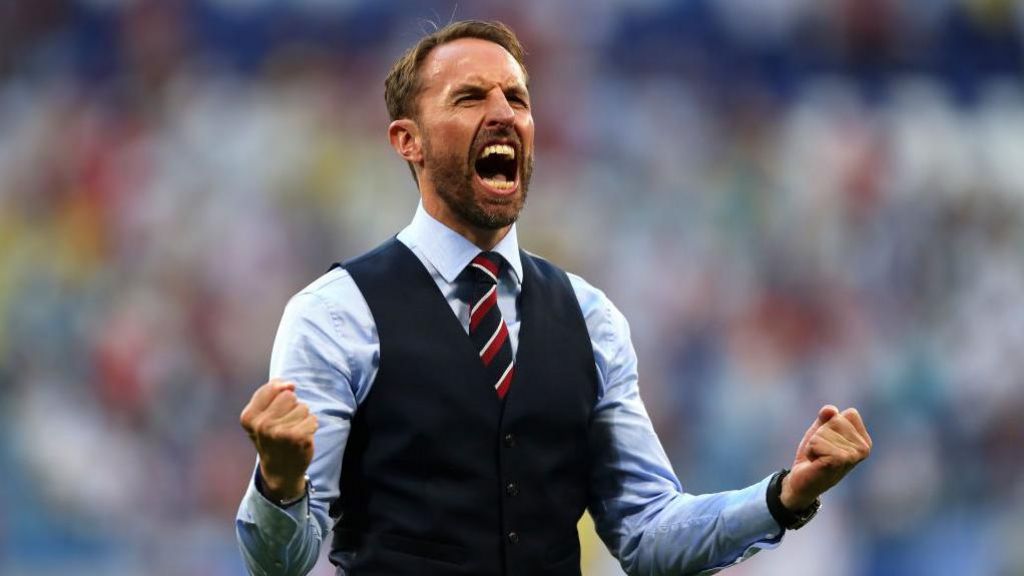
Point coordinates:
pixel 497 167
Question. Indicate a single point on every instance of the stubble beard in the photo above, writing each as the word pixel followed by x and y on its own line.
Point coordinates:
pixel 453 180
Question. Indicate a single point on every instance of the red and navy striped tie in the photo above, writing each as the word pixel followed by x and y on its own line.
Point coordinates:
pixel 487 329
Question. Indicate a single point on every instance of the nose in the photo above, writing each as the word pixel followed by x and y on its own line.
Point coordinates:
pixel 499 111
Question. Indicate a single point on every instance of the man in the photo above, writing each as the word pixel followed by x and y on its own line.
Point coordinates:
pixel 457 403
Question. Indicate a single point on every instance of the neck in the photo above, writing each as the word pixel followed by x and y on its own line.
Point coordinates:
pixel 483 238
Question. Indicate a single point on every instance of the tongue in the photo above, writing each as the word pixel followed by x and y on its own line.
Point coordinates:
pixel 499 177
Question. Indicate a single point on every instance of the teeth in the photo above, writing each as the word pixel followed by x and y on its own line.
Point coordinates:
pixel 502 149
pixel 499 184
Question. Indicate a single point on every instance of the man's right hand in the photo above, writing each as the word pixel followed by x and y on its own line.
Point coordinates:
pixel 281 427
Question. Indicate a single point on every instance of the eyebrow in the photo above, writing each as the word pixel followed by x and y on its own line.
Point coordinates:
pixel 467 89
pixel 476 84
pixel 516 91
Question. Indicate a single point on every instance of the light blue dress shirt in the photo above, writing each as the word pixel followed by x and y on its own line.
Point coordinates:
pixel 327 344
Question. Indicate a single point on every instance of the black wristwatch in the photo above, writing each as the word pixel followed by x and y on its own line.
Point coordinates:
pixel 784 516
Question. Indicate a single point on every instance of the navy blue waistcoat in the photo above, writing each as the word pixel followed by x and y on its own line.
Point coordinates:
pixel 439 476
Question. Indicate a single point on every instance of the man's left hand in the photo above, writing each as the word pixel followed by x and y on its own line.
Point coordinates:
pixel 831 447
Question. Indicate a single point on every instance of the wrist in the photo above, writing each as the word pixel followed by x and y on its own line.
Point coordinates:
pixel 281 491
pixel 787 518
pixel 790 500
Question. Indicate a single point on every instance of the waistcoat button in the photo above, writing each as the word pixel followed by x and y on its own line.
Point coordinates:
pixel 512 489
pixel 510 440
pixel 513 537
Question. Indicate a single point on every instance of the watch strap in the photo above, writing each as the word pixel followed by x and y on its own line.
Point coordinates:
pixel 785 517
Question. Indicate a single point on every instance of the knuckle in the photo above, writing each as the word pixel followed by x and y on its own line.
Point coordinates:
pixel 269 433
pixel 257 425
pixel 291 436
pixel 260 422
pixel 274 432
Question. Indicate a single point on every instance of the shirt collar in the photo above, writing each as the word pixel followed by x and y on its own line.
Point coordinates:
pixel 449 252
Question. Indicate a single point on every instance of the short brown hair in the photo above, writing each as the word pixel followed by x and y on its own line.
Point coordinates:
pixel 403 84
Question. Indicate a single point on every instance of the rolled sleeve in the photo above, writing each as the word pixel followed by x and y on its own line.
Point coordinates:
pixel 274 541
pixel 327 345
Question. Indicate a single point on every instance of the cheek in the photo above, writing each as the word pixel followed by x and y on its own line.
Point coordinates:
pixel 526 130
pixel 455 137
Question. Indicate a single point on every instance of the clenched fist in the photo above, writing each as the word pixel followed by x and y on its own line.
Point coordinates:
pixel 831 447
pixel 282 429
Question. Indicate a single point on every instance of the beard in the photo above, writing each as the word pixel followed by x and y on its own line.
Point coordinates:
pixel 453 179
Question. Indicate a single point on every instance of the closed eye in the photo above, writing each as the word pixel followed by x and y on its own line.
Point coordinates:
pixel 467 95
pixel 517 97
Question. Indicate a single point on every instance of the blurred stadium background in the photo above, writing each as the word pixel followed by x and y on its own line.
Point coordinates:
pixel 793 201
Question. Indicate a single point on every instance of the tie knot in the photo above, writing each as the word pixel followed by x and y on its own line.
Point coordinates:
pixel 486 266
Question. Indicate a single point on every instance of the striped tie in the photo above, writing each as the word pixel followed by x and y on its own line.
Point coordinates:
pixel 486 327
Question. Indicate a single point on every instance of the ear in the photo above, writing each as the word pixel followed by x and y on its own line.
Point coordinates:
pixel 404 136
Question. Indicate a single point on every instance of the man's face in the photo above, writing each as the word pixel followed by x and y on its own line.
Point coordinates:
pixel 477 133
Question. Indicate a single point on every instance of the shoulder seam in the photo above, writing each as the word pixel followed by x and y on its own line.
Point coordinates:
pixel 335 320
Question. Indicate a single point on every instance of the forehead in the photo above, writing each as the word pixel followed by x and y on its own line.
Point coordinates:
pixel 470 60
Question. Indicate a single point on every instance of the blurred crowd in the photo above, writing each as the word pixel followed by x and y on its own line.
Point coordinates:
pixel 793 202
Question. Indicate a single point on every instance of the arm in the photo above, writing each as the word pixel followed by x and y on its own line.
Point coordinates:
pixel 640 510
pixel 324 355
pixel 639 507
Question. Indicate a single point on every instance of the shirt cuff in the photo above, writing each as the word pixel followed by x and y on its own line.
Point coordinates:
pixel 749 516
pixel 278 524
pixel 750 520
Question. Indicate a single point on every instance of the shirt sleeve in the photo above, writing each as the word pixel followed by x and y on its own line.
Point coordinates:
pixel 327 344
pixel 640 510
